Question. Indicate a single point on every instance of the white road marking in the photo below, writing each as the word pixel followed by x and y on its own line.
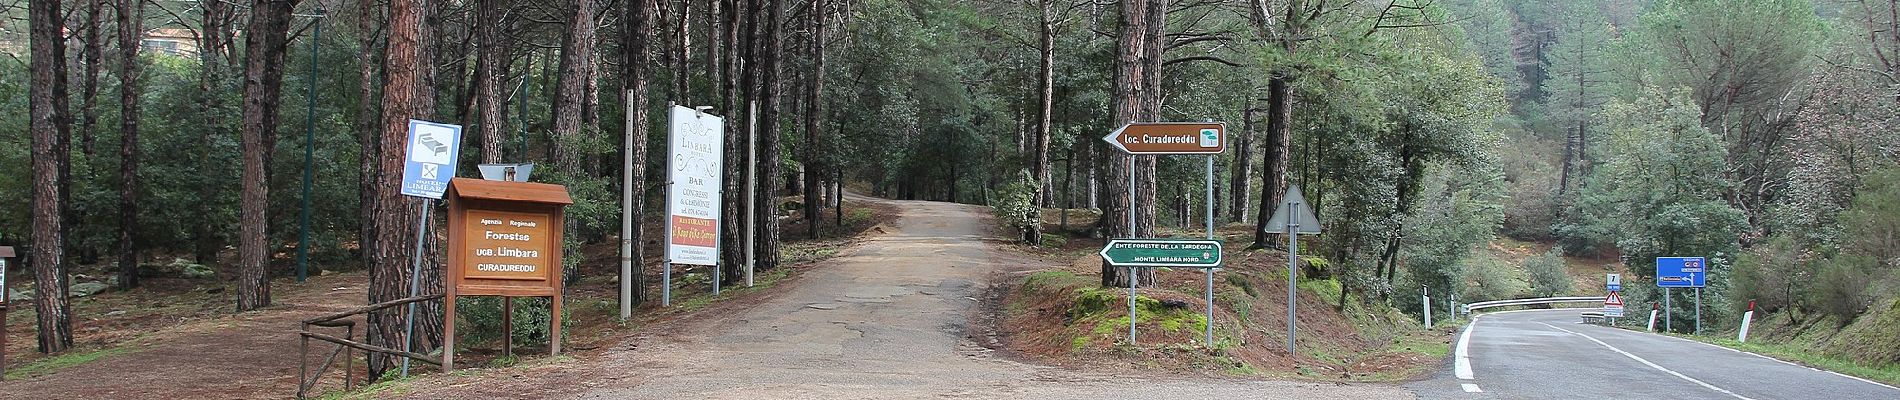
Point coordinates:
pixel 1650 364
pixel 1461 365
pixel 1472 388
pixel 1784 362
pixel 1461 360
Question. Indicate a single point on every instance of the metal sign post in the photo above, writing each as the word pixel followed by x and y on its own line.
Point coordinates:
pixel 1210 236
pixel 1681 272
pixel 695 157
pixel 1292 212
pixel 429 165
pixel 1175 253
pixel 1154 138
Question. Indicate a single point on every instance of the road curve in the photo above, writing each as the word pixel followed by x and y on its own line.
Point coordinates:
pixel 1551 354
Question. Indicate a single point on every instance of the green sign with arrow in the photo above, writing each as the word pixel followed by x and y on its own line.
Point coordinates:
pixel 1162 253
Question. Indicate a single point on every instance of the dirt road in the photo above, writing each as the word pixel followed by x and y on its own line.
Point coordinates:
pixel 885 319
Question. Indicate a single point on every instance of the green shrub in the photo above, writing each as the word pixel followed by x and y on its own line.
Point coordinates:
pixel 1840 289
pixel 1489 280
pixel 1549 276
pixel 1015 208
pixel 480 320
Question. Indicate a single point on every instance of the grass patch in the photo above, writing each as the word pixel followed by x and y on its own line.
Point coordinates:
pixel 1888 374
pixel 1325 288
pixel 389 386
pixel 761 280
pixel 60 362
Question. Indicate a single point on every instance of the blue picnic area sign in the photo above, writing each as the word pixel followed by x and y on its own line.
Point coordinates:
pixel 1681 272
pixel 430 159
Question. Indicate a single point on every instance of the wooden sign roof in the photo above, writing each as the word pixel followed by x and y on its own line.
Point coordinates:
pixel 510 191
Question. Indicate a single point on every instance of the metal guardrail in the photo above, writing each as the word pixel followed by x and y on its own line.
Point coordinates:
pixel 1467 308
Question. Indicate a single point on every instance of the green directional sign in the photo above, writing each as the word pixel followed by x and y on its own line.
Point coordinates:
pixel 1162 253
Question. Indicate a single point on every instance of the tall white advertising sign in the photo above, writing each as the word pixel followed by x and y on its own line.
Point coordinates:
pixel 695 158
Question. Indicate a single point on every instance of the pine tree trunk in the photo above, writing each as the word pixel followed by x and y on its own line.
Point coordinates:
pixel 769 172
pixel 263 82
pixel 576 69
pixel 1045 101
pixel 814 117
pixel 1240 181
pixel 368 130
pixel 731 220
pixel 1134 101
pixel 131 25
pixel 491 52
pixel 1276 148
pixel 395 215
pixel 215 65
pixel 91 55
pixel 428 320
pixel 637 43
pixel 48 252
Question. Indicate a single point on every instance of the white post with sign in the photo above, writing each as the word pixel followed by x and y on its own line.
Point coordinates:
pixel 428 164
pixel 695 159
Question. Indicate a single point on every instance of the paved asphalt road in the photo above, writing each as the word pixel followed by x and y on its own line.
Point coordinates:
pixel 1550 354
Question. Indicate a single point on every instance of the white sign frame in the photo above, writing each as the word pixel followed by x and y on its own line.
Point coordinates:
pixel 427 170
pixel 695 161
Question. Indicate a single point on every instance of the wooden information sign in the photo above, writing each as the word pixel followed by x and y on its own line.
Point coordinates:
pixel 504 240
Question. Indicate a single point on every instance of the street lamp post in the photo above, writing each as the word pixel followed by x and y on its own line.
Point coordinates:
pixel 309 152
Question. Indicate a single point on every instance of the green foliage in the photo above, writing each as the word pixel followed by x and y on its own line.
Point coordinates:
pixel 1653 195
pixel 1841 286
pixel 1490 280
pixel 1549 276
pixel 480 320
pixel 1015 207
pixel 1775 275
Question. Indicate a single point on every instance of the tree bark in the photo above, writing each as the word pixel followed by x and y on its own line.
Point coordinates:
pixel 368 129
pixel 265 40
pixel 1277 146
pixel 1045 101
pixel 732 228
pixel 395 216
pixel 214 64
pixel 48 252
pixel 814 117
pixel 92 56
pixel 769 172
pixel 576 69
pixel 1240 181
pixel 131 27
pixel 636 42
pixel 491 52
pixel 1134 101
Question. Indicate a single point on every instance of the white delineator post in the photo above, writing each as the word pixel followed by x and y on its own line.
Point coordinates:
pixel 1426 302
pixel 751 187
pixel 1652 317
pixel 1747 317
pixel 627 214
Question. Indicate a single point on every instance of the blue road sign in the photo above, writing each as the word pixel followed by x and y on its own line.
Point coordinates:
pixel 1681 272
pixel 429 162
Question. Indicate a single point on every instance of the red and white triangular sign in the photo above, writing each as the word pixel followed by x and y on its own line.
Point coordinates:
pixel 1613 300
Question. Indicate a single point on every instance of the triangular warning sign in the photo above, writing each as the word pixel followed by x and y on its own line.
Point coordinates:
pixel 1294 204
pixel 1613 300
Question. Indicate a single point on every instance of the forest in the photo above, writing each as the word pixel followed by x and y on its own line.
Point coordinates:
pixel 1757 133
